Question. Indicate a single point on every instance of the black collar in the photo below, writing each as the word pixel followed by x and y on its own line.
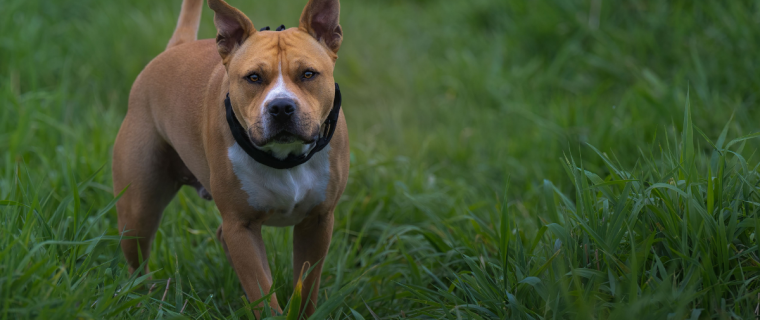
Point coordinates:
pixel 241 137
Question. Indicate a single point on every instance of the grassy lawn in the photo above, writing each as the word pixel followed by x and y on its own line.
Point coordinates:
pixel 550 159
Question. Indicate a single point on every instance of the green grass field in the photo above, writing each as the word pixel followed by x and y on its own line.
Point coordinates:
pixel 577 159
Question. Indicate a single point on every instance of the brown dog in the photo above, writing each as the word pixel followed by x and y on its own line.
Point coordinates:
pixel 247 152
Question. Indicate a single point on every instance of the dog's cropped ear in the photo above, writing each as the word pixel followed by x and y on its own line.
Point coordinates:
pixel 232 27
pixel 320 19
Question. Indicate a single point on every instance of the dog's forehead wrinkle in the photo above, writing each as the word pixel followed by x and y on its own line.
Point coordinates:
pixel 301 41
pixel 259 67
pixel 255 57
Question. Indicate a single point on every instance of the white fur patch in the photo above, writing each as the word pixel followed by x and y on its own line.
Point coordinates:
pixel 287 195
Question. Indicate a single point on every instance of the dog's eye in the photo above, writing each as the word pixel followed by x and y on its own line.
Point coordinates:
pixel 309 74
pixel 254 78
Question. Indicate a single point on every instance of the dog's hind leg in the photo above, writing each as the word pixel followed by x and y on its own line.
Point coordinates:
pixel 142 163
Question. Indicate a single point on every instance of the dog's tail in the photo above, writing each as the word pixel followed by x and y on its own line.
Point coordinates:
pixel 187 26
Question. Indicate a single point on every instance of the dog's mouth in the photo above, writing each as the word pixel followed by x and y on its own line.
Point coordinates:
pixel 282 137
pixel 284 144
pixel 285 137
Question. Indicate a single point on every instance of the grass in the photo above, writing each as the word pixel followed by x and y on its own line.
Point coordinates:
pixel 510 159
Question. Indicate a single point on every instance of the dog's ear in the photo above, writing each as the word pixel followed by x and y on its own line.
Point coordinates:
pixel 232 27
pixel 320 19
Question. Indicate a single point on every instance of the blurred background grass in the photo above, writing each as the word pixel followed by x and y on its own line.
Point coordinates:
pixel 444 101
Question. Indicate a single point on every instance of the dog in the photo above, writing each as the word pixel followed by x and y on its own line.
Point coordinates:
pixel 252 120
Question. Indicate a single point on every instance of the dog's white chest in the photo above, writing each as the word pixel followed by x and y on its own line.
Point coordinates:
pixel 286 195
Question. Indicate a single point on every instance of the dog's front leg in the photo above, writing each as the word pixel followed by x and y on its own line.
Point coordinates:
pixel 311 239
pixel 249 259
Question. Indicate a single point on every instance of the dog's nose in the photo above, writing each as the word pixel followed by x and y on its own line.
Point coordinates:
pixel 281 109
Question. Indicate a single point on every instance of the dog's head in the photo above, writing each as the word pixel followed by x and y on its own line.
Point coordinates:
pixel 280 82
